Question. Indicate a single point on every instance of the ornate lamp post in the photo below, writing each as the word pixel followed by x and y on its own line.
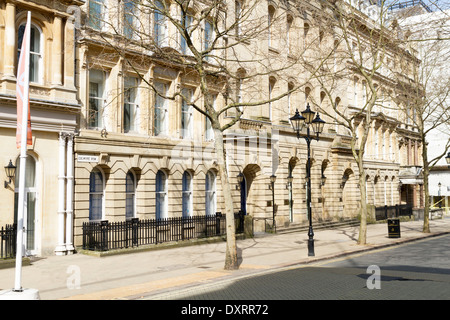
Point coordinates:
pixel 447 158
pixel 298 121
pixel 272 186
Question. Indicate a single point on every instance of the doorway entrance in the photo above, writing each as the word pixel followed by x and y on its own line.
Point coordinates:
pixel 243 187
pixel 29 215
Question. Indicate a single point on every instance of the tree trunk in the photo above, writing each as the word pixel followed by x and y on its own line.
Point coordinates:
pixel 426 170
pixel 362 239
pixel 231 262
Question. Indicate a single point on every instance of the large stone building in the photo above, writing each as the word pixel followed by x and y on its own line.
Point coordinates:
pixel 429 28
pixel 54 111
pixel 139 155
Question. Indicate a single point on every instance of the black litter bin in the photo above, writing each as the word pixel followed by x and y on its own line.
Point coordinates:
pixel 393 228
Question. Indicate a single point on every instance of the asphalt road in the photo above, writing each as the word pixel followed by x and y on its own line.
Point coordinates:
pixel 419 270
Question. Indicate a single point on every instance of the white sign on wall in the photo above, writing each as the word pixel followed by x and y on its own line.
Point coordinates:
pixel 87 158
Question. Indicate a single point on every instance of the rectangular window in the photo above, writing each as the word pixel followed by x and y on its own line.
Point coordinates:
pixel 210 194
pixel 209 33
pixel 375 145
pixel 187 22
pixel 35 52
pixel 129 11
pixel 237 15
pixel 130 191
pixel 161 195
pixel 186 114
pixel 187 195
pixel 160 25
pixel 96 98
pixel 209 132
pixel 131 106
pixel 96 11
pixel 160 116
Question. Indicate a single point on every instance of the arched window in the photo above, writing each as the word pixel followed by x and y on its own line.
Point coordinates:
pixel 35 51
pixel 96 195
pixel 210 193
pixel 307 94
pixel 130 198
pixel 270 20
pixel 30 198
pixel 289 42
pixel 161 195
pixel 305 34
pixel 289 99
pixel 187 194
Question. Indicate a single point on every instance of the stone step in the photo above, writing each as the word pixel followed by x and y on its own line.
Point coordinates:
pixel 293 227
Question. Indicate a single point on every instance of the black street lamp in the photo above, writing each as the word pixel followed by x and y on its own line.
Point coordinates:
pixel 10 170
pixel 272 186
pixel 447 158
pixel 298 121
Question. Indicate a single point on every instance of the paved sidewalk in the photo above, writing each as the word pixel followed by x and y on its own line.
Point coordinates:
pixel 152 273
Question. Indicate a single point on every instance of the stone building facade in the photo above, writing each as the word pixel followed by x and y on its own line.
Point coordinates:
pixel 137 155
pixel 135 164
pixel 54 112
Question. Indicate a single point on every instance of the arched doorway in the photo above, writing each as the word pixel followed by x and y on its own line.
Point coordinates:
pixel 350 194
pixel 248 198
pixel 243 188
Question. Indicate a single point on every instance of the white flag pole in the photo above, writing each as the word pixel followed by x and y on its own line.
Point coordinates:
pixel 23 160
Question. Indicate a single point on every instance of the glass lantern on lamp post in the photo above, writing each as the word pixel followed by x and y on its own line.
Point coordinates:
pixel 309 119
pixel 10 171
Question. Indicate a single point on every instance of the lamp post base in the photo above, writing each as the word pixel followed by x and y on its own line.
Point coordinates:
pixel 310 242
pixel 311 248
pixel 24 294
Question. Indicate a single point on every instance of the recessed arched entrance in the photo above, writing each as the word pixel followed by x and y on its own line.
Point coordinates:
pixel 247 188
pixel 243 188
pixel 350 194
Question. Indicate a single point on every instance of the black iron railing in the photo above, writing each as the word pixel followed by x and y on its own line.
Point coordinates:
pixel 8 238
pixel 104 235
pixel 385 212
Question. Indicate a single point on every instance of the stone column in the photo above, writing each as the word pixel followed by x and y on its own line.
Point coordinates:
pixel 61 248
pixel 69 195
pixel 69 54
pixel 57 51
pixel 10 50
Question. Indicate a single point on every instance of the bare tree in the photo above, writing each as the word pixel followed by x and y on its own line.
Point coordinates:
pixel 362 39
pixel 428 100
pixel 217 43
